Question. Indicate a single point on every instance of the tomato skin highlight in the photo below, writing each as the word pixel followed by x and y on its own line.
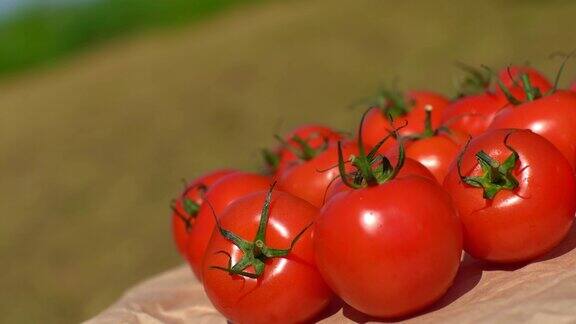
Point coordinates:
pixel 392 249
pixel 291 289
pixel 553 117
pixel 522 224
pixel 192 192
pixel 310 180
pixel 473 114
pixel 221 194
pixel 435 153
pixel 377 124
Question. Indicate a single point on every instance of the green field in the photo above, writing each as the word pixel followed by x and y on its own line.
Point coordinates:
pixel 95 146
pixel 42 35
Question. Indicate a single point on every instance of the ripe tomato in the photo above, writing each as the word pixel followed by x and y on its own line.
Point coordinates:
pixel 389 250
pixel 552 116
pixel 409 111
pixel 510 78
pixel 573 86
pixel 435 152
pixel 304 142
pixel 473 114
pixel 310 180
pixel 247 280
pixel 185 208
pixel 514 206
pixel 220 194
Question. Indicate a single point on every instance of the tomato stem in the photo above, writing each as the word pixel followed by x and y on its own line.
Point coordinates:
pixel 271 159
pixel 532 93
pixel 495 176
pixel 372 169
pixel 255 252
pixel 509 96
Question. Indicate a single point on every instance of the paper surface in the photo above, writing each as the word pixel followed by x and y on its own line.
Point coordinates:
pixel 540 292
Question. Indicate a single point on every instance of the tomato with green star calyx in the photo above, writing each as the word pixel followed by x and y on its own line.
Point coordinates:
pixel 311 179
pixel 553 116
pixel 511 78
pixel 391 246
pixel 409 166
pixel 259 266
pixel 515 194
pixel 185 208
pixel 403 109
pixel 219 195
pixel 302 143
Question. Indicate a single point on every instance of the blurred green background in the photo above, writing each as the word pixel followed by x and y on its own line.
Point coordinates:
pixel 106 105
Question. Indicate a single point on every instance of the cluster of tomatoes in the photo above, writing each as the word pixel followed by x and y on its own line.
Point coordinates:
pixel 381 220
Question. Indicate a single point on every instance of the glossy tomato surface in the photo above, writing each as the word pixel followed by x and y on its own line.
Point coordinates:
pixel 221 194
pixel 436 153
pixel 290 290
pixel 553 117
pixel 377 124
pixel 180 216
pixel 392 249
pixel 520 224
pixel 310 180
pixel 473 114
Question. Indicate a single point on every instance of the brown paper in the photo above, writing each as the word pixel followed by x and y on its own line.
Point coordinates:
pixel 540 292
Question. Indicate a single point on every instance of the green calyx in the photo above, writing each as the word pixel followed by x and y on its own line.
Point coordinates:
pixel 393 103
pixel 305 151
pixel 495 176
pixel 372 168
pixel 476 80
pixel 256 252
pixel 191 208
pixel 298 145
pixel 532 93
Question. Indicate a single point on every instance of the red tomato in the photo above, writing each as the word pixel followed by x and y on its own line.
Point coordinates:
pixel 473 114
pixel 389 250
pixel 436 152
pixel 308 140
pixel 221 194
pixel 377 123
pixel 552 116
pixel 510 77
pixel 289 289
pixel 526 209
pixel 310 180
pixel 573 86
pixel 185 208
